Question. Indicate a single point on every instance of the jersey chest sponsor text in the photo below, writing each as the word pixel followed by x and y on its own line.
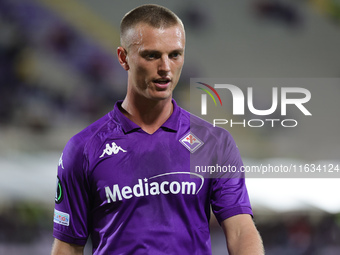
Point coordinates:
pixel 153 187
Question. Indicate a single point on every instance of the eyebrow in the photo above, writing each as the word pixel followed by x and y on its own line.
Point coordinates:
pixel 145 52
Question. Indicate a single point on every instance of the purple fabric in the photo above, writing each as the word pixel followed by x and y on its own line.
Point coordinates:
pixel 134 193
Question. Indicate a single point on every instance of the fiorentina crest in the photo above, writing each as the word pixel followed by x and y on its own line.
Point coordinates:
pixel 191 142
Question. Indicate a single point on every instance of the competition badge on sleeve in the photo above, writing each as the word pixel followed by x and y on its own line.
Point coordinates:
pixel 59 192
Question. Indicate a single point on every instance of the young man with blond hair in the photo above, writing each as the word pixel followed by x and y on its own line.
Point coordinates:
pixel 126 180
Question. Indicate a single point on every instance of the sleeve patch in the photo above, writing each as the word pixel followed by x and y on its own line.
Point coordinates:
pixel 61 218
pixel 59 192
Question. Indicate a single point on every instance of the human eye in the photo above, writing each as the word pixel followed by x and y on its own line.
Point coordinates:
pixel 150 55
pixel 175 54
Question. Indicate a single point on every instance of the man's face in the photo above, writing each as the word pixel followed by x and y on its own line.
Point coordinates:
pixel 154 58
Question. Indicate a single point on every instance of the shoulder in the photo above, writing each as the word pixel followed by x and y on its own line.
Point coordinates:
pixel 91 131
pixel 80 144
pixel 204 128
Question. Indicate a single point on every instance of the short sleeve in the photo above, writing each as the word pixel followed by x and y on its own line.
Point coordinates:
pixel 229 194
pixel 72 195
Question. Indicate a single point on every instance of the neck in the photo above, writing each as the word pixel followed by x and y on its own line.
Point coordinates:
pixel 150 115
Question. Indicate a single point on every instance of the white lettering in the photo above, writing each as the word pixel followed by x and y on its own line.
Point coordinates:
pixel 138 187
pixel 220 122
pixel 239 123
pixel 262 112
pixel 258 120
pixel 112 195
pixel 272 120
pixel 146 186
pixel 204 104
pixel 162 187
pixel 255 123
pixel 238 97
pixel 126 192
pixel 187 186
pixel 239 100
pixel 295 122
pixel 154 188
pixel 174 190
pixel 298 102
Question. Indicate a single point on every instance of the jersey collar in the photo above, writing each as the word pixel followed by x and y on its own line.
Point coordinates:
pixel 129 126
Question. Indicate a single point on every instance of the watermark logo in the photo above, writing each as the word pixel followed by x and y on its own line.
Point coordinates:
pixel 204 97
pixel 243 105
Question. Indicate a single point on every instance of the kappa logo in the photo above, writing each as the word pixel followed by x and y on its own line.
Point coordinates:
pixel 113 149
pixel 61 161
pixel 191 142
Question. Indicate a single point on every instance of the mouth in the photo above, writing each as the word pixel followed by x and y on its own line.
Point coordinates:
pixel 162 82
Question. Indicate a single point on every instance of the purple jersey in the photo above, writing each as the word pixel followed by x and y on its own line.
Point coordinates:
pixel 134 193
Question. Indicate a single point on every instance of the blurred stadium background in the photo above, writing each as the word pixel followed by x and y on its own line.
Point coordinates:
pixel 59 73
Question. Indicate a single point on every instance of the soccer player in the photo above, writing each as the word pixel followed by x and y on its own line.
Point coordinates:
pixel 125 180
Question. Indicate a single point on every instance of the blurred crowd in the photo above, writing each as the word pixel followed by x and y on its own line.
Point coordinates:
pixel 293 233
pixel 34 42
pixel 302 235
pixel 51 71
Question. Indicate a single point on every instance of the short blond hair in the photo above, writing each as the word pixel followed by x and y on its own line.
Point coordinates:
pixel 151 14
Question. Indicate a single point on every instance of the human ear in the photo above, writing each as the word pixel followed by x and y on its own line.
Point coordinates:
pixel 122 58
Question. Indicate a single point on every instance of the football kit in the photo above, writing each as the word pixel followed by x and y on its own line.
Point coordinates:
pixel 139 193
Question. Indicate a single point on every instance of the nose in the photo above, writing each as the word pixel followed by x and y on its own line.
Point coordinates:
pixel 164 65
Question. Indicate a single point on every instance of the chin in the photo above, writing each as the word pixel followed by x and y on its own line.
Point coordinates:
pixel 160 97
